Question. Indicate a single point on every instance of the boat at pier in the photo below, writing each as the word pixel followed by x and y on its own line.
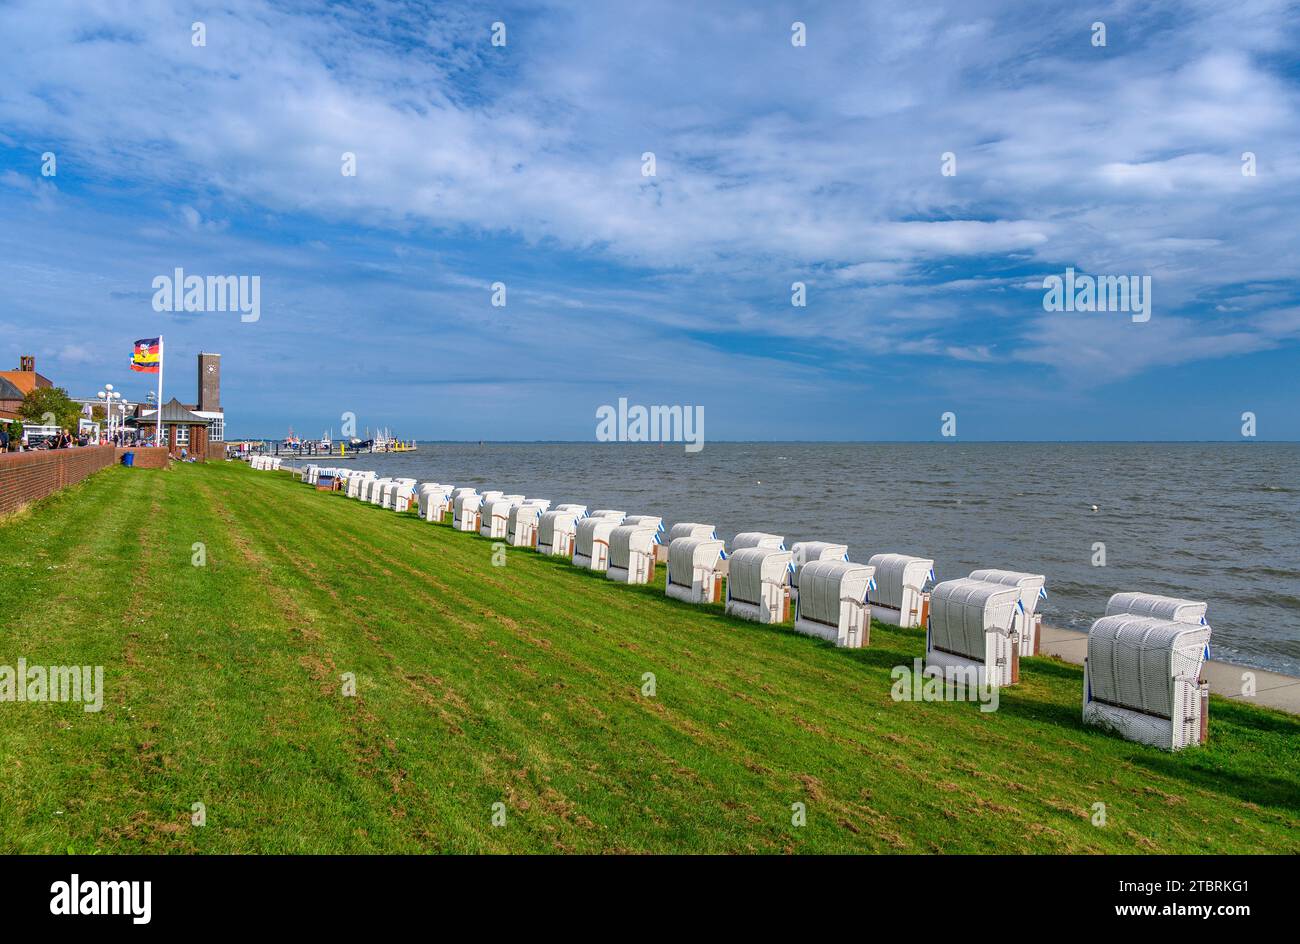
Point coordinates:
pixel 384 441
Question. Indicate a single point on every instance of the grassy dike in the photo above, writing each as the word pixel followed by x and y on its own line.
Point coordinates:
pixel 522 685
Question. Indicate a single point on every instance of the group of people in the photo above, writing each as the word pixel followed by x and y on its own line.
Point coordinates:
pixel 60 440
pixel 63 439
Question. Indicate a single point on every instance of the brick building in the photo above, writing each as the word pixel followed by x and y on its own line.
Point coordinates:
pixel 16 384
pixel 198 427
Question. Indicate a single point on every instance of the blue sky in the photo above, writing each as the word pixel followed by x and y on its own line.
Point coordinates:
pixel 775 164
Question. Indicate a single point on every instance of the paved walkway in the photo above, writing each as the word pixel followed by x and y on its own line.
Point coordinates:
pixel 1272 690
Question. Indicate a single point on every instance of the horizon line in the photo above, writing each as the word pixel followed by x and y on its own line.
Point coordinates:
pixel 841 442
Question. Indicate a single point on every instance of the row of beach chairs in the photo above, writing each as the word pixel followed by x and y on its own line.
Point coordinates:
pixel 1141 677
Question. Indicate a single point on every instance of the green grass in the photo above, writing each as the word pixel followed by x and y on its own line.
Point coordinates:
pixel 521 685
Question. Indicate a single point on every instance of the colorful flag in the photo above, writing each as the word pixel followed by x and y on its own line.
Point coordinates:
pixel 145 357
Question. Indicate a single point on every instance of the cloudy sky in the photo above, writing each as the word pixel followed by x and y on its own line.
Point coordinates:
pixel 774 164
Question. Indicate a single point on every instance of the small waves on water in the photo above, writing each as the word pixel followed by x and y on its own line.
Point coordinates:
pixel 1209 521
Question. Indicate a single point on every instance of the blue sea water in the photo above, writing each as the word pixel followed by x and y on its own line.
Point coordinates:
pixel 1207 521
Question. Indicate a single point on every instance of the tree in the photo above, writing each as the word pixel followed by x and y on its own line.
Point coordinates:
pixel 51 406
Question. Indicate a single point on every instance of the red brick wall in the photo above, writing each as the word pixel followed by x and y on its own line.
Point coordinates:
pixel 29 476
pixel 199 443
pixel 149 457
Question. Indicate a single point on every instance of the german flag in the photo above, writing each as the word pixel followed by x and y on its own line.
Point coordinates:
pixel 145 356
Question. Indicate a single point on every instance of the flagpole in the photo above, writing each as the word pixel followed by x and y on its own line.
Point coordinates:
pixel 157 436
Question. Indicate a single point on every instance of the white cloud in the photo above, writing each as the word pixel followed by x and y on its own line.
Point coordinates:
pixel 1098 348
